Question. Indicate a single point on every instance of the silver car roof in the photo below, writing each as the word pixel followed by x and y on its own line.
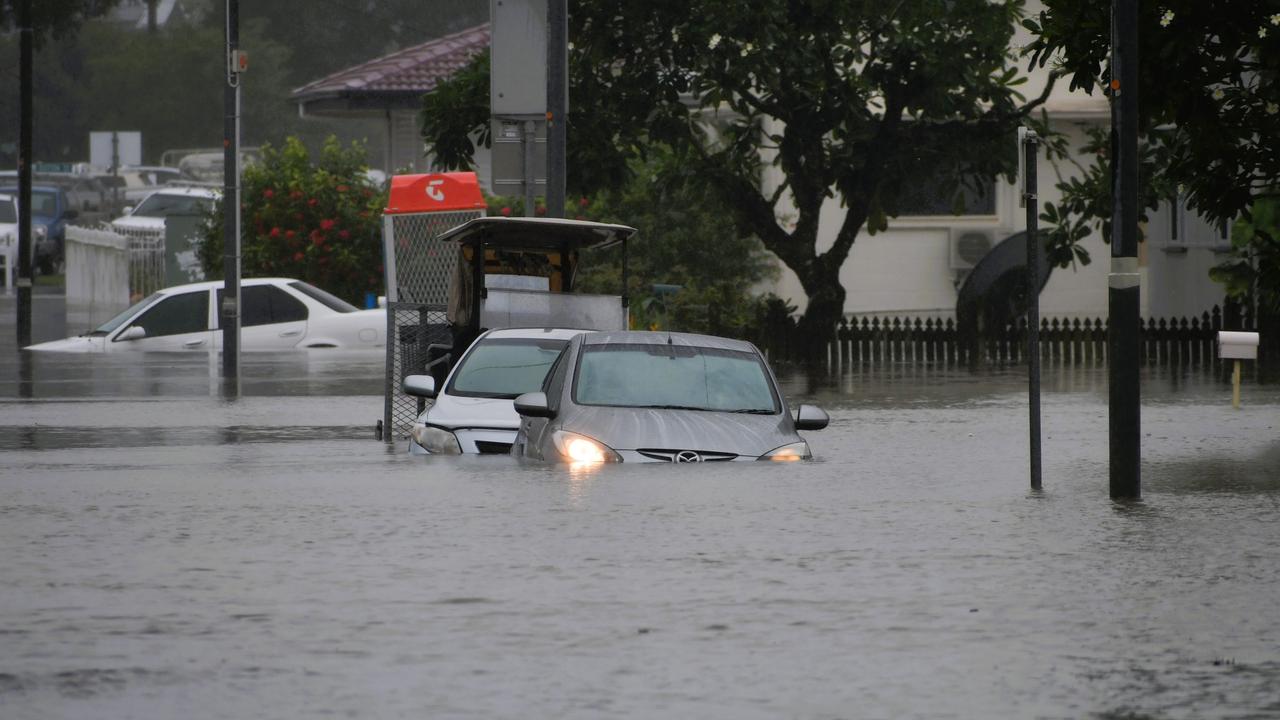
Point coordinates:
pixel 659 337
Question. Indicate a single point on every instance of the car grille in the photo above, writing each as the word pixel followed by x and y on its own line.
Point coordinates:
pixel 488 447
pixel 685 455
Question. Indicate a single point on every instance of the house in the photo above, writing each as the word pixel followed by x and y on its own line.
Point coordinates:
pixel 390 88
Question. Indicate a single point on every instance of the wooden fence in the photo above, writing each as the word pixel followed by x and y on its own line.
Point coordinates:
pixel 1187 342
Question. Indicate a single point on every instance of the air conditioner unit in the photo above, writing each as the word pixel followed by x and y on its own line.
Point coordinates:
pixel 969 245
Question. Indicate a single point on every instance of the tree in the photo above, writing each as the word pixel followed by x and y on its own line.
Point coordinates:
pixel 317 221
pixel 1209 104
pixel 55 19
pixel 861 101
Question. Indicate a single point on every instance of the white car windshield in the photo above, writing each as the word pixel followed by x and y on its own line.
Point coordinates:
pixel 505 367
pixel 674 377
pixel 120 319
pixel 163 205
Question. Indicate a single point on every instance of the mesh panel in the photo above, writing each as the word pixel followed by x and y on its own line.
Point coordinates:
pixel 411 329
pixel 146 260
pixel 424 265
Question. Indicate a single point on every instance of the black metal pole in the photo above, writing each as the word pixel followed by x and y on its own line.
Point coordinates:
pixel 230 310
pixel 24 173
pixel 1124 286
pixel 557 104
pixel 1030 196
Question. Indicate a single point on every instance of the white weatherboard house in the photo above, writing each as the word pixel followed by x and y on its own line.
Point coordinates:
pixel 915 267
pixel 912 269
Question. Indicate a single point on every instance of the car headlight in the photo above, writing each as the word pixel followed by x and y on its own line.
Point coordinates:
pixel 580 448
pixel 788 453
pixel 436 440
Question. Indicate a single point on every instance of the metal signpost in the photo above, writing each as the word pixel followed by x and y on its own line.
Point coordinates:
pixel 1030 144
pixel 230 310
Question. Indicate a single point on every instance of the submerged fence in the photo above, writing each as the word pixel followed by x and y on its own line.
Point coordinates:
pixel 1190 342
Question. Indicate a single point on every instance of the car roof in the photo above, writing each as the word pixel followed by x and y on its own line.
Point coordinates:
pixel 661 337
pixel 189 191
pixel 536 333
pixel 207 284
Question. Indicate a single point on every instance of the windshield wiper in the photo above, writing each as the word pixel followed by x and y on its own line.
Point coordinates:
pixel 753 411
pixel 672 407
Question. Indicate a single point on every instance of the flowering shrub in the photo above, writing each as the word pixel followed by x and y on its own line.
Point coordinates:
pixel 320 222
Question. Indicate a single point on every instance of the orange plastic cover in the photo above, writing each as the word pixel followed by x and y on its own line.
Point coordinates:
pixel 434 192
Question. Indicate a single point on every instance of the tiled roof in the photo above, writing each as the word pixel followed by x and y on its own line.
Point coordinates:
pixel 416 69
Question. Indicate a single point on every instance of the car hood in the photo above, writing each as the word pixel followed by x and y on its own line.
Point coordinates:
pixel 703 431
pixel 453 411
pixel 79 344
pixel 138 222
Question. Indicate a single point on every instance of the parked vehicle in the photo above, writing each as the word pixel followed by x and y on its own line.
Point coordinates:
pixel 151 212
pixel 661 397
pixel 276 314
pixel 472 410
pixel 50 211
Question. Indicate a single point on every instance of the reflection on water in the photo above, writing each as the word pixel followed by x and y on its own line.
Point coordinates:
pixel 162 548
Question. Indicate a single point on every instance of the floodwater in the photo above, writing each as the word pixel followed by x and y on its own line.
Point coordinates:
pixel 165 553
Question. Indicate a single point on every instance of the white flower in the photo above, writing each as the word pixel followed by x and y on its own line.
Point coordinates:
pixel 715 40
pixel 1218 94
pixel 1272 108
pixel 1275 19
pixel 1262 32
pixel 675 35
pixel 570 46
pixel 747 48
pixel 1166 18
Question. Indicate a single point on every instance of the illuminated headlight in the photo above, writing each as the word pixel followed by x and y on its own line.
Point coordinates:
pixel 788 453
pixel 436 441
pixel 580 448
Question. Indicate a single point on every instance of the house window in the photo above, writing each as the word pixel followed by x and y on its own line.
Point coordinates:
pixel 930 199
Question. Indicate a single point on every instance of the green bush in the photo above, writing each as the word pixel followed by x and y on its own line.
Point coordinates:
pixel 315 221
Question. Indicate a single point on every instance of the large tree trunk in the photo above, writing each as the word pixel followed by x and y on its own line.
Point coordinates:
pixel 817 327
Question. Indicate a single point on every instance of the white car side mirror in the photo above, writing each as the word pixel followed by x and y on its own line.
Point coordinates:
pixel 133 332
pixel 423 386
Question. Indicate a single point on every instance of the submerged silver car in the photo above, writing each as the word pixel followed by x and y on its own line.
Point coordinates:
pixel 661 397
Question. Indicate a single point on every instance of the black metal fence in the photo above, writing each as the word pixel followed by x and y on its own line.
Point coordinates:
pixel 1188 342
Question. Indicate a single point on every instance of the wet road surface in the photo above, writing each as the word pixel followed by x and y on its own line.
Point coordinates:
pixel 167 553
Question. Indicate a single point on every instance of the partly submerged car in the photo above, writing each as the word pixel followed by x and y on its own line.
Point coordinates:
pixel 661 397
pixel 276 314
pixel 472 412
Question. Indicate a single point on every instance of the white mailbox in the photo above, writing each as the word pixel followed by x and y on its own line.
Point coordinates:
pixel 1237 345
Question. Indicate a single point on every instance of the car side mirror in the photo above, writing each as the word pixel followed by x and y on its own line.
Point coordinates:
pixel 133 332
pixel 533 404
pixel 811 417
pixel 128 210
pixel 423 386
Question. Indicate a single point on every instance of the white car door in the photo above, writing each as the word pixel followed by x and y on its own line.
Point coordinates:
pixel 270 319
pixel 178 322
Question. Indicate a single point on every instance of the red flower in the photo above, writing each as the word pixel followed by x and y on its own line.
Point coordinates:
pixel 583 202
pixel 268 193
pixel 326 224
pixel 312 202
pixel 289 233
pixel 506 212
pixel 343 188
pixel 295 194
pixel 316 238
pixel 540 211
pixel 344 234
pixel 298 256
pixel 275 232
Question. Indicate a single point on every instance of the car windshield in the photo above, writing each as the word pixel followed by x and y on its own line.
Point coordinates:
pixel 674 377
pixel 332 302
pixel 164 205
pixel 43 203
pixel 505 367
pixel 120 319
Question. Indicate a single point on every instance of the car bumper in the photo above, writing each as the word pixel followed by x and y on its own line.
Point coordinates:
pixel 476 442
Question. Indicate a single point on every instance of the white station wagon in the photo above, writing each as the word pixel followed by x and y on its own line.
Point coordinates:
pixel 276 314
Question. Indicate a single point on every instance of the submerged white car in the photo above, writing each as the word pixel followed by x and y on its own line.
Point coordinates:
pixel 275 314
pixel 472 410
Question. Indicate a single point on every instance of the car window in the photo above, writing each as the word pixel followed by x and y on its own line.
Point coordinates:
pixel 162 205
pixel 118 320
pixel 505 367
pixel 332 302
pixel 8 211
pixel 177 314
pixel 636 375
pixel 267 304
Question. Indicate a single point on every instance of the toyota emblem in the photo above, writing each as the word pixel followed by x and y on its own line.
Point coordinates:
pixel 687 456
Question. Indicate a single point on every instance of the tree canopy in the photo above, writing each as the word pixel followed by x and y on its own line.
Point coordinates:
pixel 862 101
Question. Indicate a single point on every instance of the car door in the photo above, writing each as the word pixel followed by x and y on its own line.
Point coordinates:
pixel 270 318
pixel 178 322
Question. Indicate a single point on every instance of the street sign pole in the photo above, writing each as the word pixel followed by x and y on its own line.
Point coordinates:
pixel 24 174
pixel 230 309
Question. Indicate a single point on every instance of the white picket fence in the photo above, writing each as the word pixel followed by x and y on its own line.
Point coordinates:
pixel 106 271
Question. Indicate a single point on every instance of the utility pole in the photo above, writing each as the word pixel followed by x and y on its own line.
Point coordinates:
pixel 557 104
pixel 24 173
pixel 230 310
pixel 1124 284
pixel 1030 196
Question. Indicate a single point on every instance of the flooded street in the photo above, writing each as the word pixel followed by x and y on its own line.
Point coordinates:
pixel 166 553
